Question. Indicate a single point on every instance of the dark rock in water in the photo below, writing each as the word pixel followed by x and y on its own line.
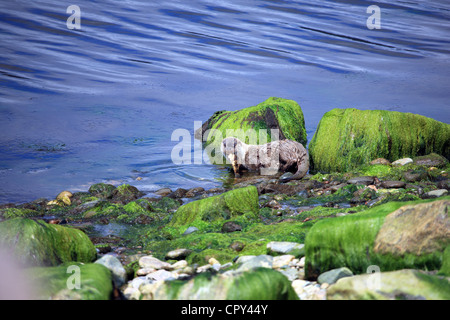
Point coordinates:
pixel 231 226
pixel 362 180
pixel 126 193
pixel 179 193
pixel 163 192
pixel 194 192
pixel 431 160
pixel 393 184
pixel 102 190
pixel 382 161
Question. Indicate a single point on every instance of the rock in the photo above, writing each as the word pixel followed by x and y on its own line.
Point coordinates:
pixel 381 161
pixel 393 184
pixel 402 162
pixel 102 190
pixel 237 246
pixel 345 139
pixel 126 193
pixel 274 113
pixel 119 275
pixel 334 275
pixel 36 243
pixel 179 193
pixel 160 275
pixel 262 261
pixel 435 193
pixel 179 265
pixel 283 247
pixel 417 229
pixel 282 261
pixel 231 226
pixel 431 160
pixel 445 184
pixel 221 207
pixel 190 230
pixel 415 175
pixel 257 284
pixel 362 180
pixel 163 192
pixel 286 175
pixel 145 271
pixel 64 197
pixel 395 285
pixel 152 262
pixel 94 282
pixel 351 240
pixel 194 192
pixel 131 293
pixel 178 254
pixel 290 273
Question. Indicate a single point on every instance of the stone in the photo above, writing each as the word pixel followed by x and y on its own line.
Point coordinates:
pixel 194 192
pixel 126 193
pixel 64 197
pixel 131 293
pixel 36 243
pixel 237 246
pixel 144 271
pixel 257 284
pixel 417 229
pixel 393 184
pixel 334 275
pixel 178 254
pixel 190 230
pixel 431 160
pixel 152 262
pixel 119 275
pixel 362 180
pixel 436 193
pixel 213 261
pixel 402 162
pixel 261 261
pixel 160 275
pixel 415 175
pixel 290 273
pixel 381 161
pixel 163 192
pixel 281 261
pixel 179 265
pixel 402 284
pixel 179 193
pixel 283 247
pixel 231 226
pixel 102 190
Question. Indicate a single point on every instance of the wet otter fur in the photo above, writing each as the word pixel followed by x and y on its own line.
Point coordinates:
pixel 269 158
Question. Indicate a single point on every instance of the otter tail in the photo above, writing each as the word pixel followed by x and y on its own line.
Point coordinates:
pixel 302 170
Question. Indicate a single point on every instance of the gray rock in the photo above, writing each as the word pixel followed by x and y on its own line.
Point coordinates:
pixel 402 162
pixel 163 192
pixel 334 275
pixel 290 273
pixel 160 275
pixel 178 254
pixel 362 180
pixel 436 193
pixel 190 230
pixel 282 247
pixel 152 262
pixel 393 184
pixel 118 272
pixel 263 261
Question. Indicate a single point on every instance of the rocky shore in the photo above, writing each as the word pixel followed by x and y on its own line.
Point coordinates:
pixel 375 228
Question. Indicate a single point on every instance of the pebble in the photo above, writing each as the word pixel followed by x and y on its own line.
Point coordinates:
pixel 152 262
pixel 161 275
pixel 281 261
pixel 190 230
pixel 283 247
pixel 178 254
pixel 179 265
pixel 362 180
pixel 402 162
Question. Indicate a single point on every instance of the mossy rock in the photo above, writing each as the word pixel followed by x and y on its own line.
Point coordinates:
pixel 274 113
pixel 395 285
pixel 348 138
pixel 95 282
pixel 221 207
pixel 257 284
pixel 223 256
pixel 102 190
pixel 10 213
pixel 37 243
pixel 350 240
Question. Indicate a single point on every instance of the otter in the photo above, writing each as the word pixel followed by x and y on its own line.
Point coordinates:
pixel 281 155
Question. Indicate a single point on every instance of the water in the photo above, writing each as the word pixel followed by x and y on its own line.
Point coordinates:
pixel 100 104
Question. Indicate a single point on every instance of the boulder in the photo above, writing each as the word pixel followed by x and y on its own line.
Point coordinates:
pixel 36 243
pixel 395 285
pixel 431 160
pixel 334 275
pixel 257 284
pixel 119 275
pixel 348 138
pixel 221 207
pixel 274 113
pixel 74 281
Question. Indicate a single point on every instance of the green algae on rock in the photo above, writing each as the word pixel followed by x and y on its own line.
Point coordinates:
pixel 348 138
pixel 36 243
pixel 242 201
pixel 95 282
pixel 274 113
pixel 256 284
pixel 350 240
